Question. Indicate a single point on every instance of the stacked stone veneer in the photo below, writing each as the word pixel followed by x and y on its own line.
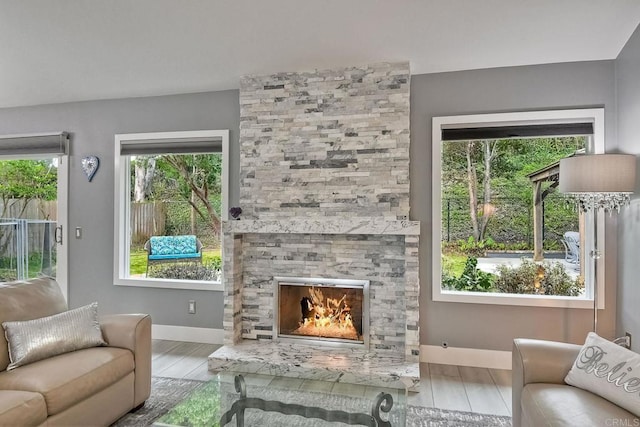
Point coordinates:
pixel 327 147
pixel 326 143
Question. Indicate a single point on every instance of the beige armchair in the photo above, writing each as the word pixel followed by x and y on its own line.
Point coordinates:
pixel 542 398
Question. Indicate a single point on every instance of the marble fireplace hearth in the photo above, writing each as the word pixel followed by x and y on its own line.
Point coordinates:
pixel 347 365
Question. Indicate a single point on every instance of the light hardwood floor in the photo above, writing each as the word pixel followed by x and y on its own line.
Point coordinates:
pixel 459 388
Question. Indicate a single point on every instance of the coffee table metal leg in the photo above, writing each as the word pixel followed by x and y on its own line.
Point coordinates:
pixel 382 402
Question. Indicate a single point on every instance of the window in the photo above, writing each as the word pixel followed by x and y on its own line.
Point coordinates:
pixel 170 199
pixel 502 233
pixel 33 206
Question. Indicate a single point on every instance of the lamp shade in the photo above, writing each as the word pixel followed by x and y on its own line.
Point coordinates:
pixel 598 173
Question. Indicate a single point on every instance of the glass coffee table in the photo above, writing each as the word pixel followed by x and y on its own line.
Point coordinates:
pixel 251 400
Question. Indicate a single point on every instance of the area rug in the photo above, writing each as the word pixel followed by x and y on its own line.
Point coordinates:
pixel 168 392
pixel 165 394
pixel 418 416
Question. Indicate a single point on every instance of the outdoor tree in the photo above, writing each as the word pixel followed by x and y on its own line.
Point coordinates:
pixel 503 202
pixel 144 171
pixel 198 182
pixel 22 181
pixel 463 162
pixel 480 214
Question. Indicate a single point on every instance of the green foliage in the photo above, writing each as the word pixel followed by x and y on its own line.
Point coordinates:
pixel 178 219
pixel 453 264
pixel 472 279
pixel 542 279
pixel 215 262
pixel 203 169
pixel 201 409
pixel 474 248
pixel 28 179
pixel 511 188
pixel 470 247
pixel 184 271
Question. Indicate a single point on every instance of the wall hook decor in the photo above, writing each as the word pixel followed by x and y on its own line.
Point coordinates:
pixel 90 165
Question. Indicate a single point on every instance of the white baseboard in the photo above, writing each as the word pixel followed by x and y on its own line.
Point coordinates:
pixel 187 333
pixel 493 359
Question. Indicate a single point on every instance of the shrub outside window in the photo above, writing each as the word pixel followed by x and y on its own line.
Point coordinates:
pixel 171 195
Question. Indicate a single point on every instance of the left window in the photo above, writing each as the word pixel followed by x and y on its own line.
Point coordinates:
pixel 171 192
pixel 33 206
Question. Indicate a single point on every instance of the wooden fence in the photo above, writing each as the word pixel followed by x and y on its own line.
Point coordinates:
pixel 147 219
pixel 33 209
pixel 168 217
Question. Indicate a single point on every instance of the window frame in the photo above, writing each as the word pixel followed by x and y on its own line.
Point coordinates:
pixel 122 186
pixel 595 145
pixel 60 151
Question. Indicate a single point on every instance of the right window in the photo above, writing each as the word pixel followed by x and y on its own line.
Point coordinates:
pixel 505 234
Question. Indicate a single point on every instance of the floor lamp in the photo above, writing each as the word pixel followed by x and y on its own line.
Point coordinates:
pixel 598 182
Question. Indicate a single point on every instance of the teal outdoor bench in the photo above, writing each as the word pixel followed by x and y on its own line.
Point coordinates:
pixel 173 249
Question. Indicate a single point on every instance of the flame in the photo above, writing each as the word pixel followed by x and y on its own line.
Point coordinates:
pixel 328 317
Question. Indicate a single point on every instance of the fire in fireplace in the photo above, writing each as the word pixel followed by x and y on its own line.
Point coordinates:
pixel 331 311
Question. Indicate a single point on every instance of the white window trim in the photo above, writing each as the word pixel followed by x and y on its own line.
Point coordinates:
pixel 62 262
pixel 122 238
pixel 593 115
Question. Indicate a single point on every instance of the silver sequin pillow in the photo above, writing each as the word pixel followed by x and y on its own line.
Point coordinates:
pixel 33 340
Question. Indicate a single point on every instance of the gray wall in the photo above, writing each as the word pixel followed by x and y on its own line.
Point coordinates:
pixel 542 87
pixel 628 97
pixel 93 125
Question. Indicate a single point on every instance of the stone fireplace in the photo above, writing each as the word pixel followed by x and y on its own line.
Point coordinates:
pixel 324 191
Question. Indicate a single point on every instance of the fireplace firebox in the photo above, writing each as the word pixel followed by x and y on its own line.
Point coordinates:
pixel 322 311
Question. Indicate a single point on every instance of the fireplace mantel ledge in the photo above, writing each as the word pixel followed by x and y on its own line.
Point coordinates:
pixel 364 225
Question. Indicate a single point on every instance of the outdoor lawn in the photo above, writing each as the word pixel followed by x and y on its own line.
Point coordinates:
pixel 8 269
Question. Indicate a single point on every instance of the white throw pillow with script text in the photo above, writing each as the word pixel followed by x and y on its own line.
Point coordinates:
pixel 608 370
